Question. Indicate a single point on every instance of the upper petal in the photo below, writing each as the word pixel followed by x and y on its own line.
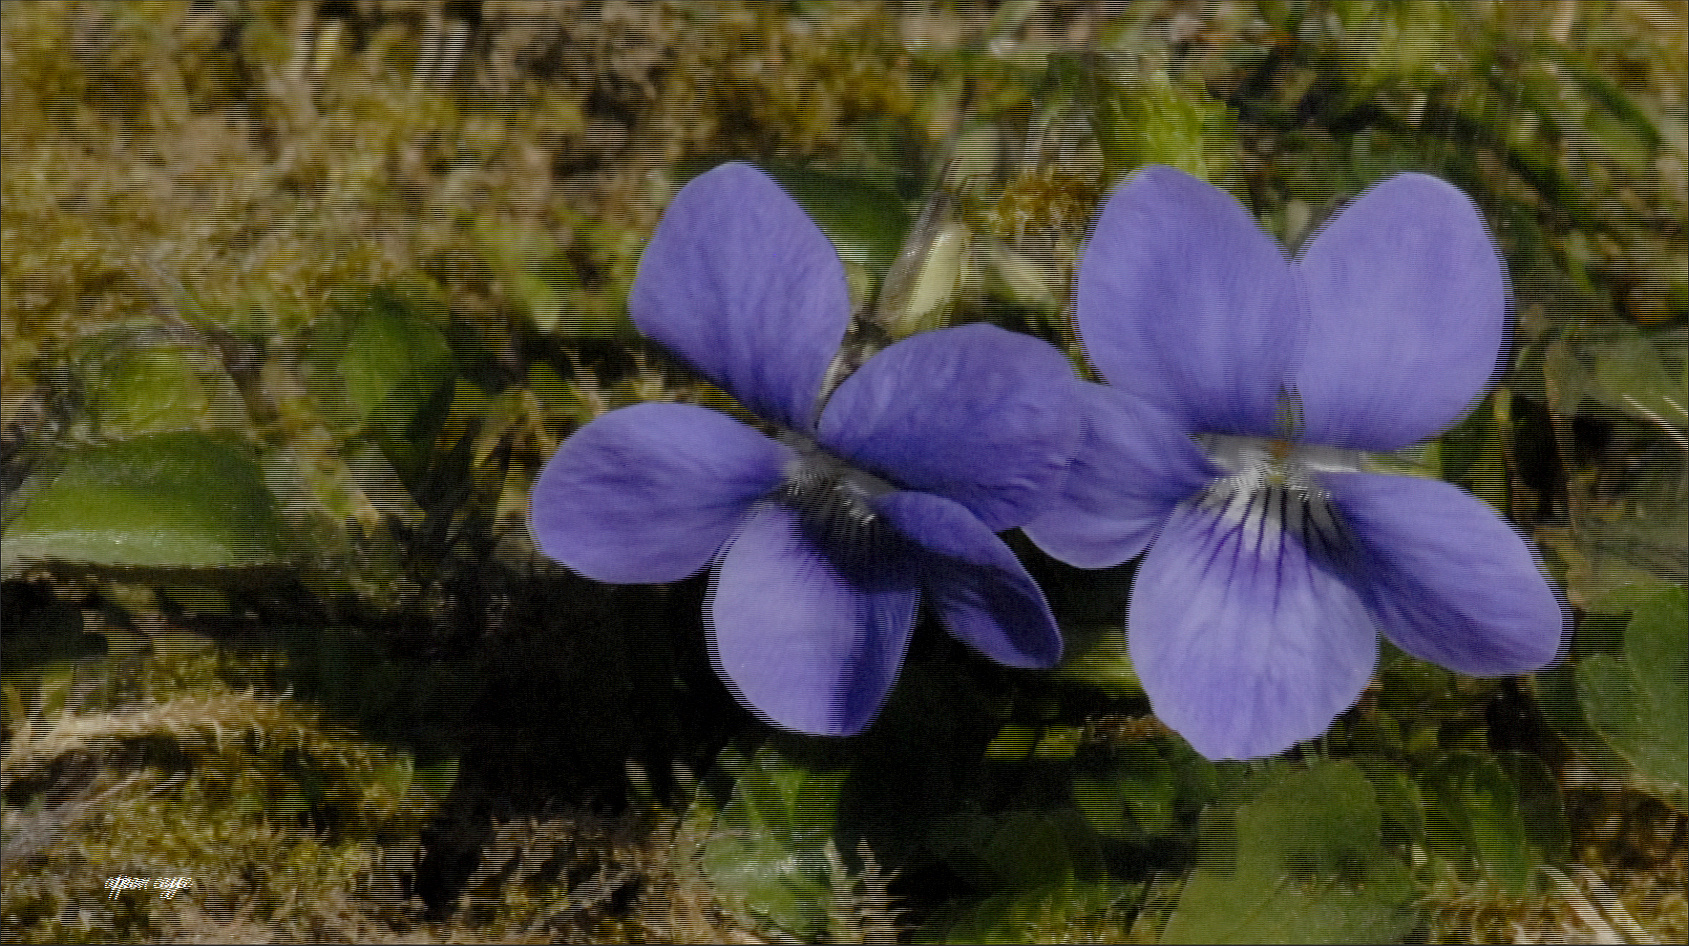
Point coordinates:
pixel 975 414
pixel 1245 641
pixel 740 282
pixel 650 493
pixel 1407 307
pixel 978 588
pixel 807 641
pixel 1134 464
pixel 1449 580
pixel 1186 303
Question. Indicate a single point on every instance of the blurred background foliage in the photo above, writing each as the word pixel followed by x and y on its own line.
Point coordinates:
pixel 297 297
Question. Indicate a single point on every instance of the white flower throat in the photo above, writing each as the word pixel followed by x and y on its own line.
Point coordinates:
pixel 1269 490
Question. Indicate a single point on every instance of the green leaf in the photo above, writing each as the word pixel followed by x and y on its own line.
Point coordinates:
pixel 767 849
pixel 395 361
pixel 865 220
pixel 1299 860
pixel 399 370
pixel 1026 848
pixel 1040 872
pixel 1133 798
pixel 164 501
pixel 1541 809
pixel 1472 815
pixel 1555 690
pixel 1629 519
pixel 1399 801
pixel 151 390
pixel 1629 375
pixel 1624 601
pixel 1639 702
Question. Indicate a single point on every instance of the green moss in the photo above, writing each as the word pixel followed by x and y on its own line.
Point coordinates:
pixel 160 768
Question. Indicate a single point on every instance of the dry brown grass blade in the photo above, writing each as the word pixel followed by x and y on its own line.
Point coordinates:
pixel 206 719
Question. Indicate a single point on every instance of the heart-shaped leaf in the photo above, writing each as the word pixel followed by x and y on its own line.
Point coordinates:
pixel 1472 815
pixel 179 500
pixel 768 848
pixel 1299 860
pixel 1639 702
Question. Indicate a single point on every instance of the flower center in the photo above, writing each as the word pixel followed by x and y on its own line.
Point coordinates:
pixel 833 498
pixel 1278 461
pixel 1269 486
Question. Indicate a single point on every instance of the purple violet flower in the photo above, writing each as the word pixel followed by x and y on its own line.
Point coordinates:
pixel 824 538
pixel 1246 388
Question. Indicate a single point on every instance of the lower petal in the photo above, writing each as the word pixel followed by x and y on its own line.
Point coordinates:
pixel 979 590
pixel 1449 580
pixel 650 493
pixel 1245 641
pixel 806 642
pixel 1135 463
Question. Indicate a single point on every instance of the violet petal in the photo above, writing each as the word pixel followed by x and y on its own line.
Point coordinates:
pixel 1185 302
pixel 805 642
pixel 1448 580
pixel 741 283
pixel 1245 643
pixel 649 493
pixel 1134 464
pixel 1407 306
pixel 976 414
pixel 979 590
